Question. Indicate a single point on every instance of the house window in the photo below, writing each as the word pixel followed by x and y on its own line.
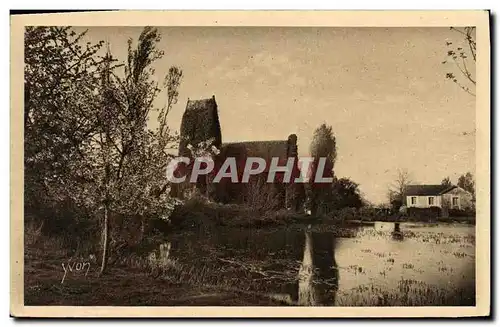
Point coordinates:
pixel 413 200
pixel 431 200
pixel 454 201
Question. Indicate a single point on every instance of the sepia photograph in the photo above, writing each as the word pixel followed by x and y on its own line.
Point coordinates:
pixel 176 163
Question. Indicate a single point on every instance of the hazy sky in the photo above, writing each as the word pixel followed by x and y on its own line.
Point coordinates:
pixel 382 89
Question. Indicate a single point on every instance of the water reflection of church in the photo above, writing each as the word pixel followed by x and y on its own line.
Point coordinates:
pixel 318 278
pixel 293 265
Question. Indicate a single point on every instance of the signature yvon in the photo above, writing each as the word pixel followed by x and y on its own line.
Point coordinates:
pixel 75 267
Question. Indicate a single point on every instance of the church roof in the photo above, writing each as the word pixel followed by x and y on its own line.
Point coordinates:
pixel 263 149
pixel 266 150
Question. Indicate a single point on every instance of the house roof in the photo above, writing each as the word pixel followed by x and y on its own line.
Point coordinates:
pixel 428 189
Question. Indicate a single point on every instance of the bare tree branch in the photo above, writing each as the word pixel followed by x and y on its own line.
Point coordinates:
pixel 464 67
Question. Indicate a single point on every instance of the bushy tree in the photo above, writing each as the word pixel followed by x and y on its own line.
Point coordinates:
pixel 60 82
pixel 60 86
pixel 324 144
pixel 346 194
pixel 446 181
pixel 86 123
pixel 467 182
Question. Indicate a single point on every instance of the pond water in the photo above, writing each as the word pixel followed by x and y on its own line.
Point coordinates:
pixel 379 264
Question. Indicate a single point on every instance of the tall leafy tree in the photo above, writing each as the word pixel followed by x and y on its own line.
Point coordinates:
pixel 467 182
pixel 86 128
pixel 323 145
pixel 129 159
pixel 60 82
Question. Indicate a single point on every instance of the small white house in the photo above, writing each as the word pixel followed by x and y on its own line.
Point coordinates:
pixel 426 196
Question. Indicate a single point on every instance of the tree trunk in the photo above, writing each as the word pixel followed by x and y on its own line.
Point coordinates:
pixel 105 241
pixel 143 227
pixel 207 193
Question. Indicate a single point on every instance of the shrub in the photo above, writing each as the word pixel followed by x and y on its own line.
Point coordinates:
pixel 262 196
pixel 63 225
pixel 344 214
pixel 424 213
pixel 461 213
pixel 370 213
pixel 32 232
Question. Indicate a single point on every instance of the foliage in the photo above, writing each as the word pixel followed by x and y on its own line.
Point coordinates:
pixel 424 213
pixel 464 213
pixel 341 193
pixel 345 214
pixel 89 152
pixel 261 196
pixel 134 155
pixel 460 54
pixel 467 182
pixel 346 194
pixel 446 181
pixel 445 203
pixel 323 145
pixel 60 80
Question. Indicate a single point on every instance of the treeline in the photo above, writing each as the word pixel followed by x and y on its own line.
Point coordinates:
pixel 91 161
pixel 465 181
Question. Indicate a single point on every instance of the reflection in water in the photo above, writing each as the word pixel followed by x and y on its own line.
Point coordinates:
pixel 306 290
pixel 299 265
pixel 318 274
pixel 294 264
pixel 396 233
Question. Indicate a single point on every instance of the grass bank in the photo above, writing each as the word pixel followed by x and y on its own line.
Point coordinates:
pixel 56 272
pixel 48 280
